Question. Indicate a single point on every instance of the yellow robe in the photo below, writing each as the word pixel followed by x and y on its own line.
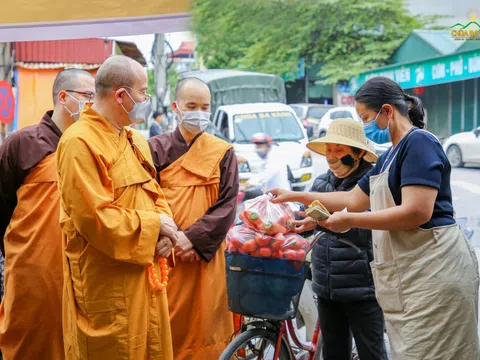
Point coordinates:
pixel 201 323
pixel 109 218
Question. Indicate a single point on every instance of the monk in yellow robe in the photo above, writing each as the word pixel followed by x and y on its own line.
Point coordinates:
pixel 199 176
pixel 30 235
pixel 115 223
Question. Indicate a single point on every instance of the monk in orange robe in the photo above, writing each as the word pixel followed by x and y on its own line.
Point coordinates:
pixel 199 176
pixel 115 223
pixel 30 235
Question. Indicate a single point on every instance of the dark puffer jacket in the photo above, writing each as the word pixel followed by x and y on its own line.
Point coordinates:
pixel 340 271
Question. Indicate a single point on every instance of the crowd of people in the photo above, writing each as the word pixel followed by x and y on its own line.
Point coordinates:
pixel 114 245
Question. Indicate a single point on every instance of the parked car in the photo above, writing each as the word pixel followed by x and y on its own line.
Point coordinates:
pixel 463 148
pixel 349 112
pixel 310 115
pixel 239 123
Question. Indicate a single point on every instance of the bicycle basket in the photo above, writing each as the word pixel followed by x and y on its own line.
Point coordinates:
pixel 264 288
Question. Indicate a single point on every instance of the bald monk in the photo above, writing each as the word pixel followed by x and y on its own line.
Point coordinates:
pixel 115 224
pixel 30 235
pixel 199 176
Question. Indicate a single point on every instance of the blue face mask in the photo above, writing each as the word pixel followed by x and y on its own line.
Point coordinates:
pixel 374 133
pixel 261 153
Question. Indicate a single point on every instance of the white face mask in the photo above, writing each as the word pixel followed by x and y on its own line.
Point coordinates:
pixel 194 121
pixel 81 104
pixel 140 111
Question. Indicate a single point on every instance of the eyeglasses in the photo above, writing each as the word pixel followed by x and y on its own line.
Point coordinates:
pixel 146 96
pixel 88 94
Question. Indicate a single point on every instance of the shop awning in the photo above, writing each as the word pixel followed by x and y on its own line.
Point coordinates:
pixel 27 20
pixel 439 70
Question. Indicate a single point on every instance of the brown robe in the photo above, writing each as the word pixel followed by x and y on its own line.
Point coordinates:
pixel 30 315
pixel 200 183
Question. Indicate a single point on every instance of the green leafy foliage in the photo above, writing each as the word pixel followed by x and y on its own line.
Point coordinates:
pixel 347 36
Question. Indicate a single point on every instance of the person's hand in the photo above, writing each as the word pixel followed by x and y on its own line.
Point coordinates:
pixel 244 186
pixel 184 245
pixel 337 222
pixel 281 195
pixel 190 256
pixel 168 228
pixel 306 224
pixel 164 247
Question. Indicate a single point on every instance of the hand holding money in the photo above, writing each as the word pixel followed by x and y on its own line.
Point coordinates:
pixel 317 211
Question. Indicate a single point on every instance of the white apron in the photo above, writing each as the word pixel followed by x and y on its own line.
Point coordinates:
pixel 426 283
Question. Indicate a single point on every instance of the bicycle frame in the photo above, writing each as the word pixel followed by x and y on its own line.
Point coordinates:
pixel 287 330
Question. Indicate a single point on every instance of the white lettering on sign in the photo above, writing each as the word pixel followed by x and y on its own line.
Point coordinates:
pixel 456 67
pixel 474 64
pixel 419 74
pixel 402 75
pixel 438 71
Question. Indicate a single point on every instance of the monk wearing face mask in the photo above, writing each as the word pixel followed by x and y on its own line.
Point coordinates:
pixel 117 230
pixel 342 277
pixel 198 173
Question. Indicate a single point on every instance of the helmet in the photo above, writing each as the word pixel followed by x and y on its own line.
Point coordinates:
pixel 262 138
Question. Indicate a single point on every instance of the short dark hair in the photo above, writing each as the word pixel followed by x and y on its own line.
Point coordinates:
pixel 157 113
pixel 181 84
pixel 67 80
pixel 381 90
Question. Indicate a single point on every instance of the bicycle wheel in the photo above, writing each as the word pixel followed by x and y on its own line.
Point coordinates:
pixel 248 346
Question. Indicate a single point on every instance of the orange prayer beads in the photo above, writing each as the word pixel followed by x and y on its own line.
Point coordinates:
pixel 159 284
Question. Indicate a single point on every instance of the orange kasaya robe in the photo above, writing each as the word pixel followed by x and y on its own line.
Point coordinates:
pixel 30 313
pixel 33 280
pixel 110 205
pixel 201 323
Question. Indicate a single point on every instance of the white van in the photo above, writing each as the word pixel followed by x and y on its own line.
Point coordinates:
pixel 238 123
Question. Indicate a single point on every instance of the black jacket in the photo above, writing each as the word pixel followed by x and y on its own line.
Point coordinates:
pixel 342 272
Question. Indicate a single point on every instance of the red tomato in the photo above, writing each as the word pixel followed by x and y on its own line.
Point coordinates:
pixel 265 252
pixel 277 254
pixel 290 254
pixel 268 227
pixel 256 253
pixel 249 246
pixel 236 242
pixel 278 243
pixel 290 225
pixel 294 241
pixel 300 255
pixel 262 241
pixel 278 229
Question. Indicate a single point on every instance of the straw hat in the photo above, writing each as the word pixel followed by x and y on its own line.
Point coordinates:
pixel 345 132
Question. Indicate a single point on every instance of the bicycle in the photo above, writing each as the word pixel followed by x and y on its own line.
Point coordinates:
pixel 271 334
pixel 275 339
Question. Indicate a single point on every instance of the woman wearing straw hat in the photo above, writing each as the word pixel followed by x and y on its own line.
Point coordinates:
pixel 425 270
pixel 342 278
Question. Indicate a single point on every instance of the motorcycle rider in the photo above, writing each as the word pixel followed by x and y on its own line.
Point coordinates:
pixel 273 173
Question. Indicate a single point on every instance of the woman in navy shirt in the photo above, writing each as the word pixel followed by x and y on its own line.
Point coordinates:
pixel 425 271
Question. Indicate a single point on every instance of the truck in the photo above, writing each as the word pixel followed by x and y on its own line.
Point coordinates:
pixel 232 87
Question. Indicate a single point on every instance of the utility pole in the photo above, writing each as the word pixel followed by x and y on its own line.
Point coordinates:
pixel 160 71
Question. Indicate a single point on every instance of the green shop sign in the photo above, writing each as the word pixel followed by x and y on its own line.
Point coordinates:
pixel 434 71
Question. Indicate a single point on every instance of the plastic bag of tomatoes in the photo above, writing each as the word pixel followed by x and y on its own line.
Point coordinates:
pixel 262 215
pixel 244 240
